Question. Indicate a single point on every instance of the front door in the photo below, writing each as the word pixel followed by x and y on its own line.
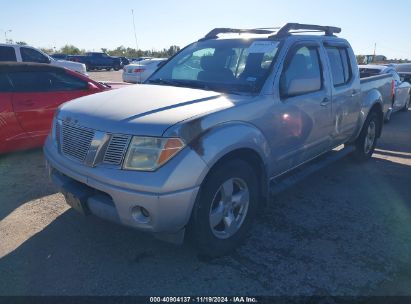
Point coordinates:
pixel 303 117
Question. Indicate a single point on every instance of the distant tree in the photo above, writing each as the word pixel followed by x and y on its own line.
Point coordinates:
pixel 21 43
pixel 47 50
pixel 172 50
pixel 70 50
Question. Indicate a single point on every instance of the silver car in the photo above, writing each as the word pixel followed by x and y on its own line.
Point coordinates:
pixel 401 89
pixel 195 148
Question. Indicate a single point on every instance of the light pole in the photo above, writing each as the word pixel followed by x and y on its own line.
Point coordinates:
pixel 5 34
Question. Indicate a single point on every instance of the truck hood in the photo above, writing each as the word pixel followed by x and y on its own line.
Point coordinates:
pixel 142 109
pixel 75 66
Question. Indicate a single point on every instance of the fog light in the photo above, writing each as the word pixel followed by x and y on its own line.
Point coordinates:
pixel 140 214
pixel 145 212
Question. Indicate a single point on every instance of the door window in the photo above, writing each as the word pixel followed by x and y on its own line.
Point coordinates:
pixel 302 73
pixel 30 81
pixel 7 53
pixel 32 55
pixel 339 63
pixel 5 85
pixel 44 81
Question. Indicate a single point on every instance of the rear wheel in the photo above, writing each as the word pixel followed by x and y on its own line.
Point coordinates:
pixel 366 142
pixel 407 104
pixel 224 209
pixel 108 69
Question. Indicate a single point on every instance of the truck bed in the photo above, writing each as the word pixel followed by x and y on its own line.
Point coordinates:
pixel 379 84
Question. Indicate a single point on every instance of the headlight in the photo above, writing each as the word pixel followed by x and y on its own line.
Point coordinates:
pixel 149 153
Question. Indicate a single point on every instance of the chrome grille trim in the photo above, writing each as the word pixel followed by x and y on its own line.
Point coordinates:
pixel 116 149
pixel 75 141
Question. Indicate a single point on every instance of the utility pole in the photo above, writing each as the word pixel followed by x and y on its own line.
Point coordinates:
pixel 5 35
pixel 375 49
pixel 134 27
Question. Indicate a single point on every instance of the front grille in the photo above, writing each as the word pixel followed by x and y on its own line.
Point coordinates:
pixel 75 141
pixel 116 149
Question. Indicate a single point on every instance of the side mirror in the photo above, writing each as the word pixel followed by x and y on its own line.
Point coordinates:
pixel 92 86
pixel 299 86
pixel 160 64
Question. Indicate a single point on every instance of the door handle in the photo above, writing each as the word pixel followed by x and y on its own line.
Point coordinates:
pixel 354 93
pixel 325 102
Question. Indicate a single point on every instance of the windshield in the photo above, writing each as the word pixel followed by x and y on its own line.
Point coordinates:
pixel 231 65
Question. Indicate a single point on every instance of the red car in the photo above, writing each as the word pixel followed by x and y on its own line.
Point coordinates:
pixel 29 95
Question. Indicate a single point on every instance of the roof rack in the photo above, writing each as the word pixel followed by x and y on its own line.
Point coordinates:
pixel 225 30
pixel 285 30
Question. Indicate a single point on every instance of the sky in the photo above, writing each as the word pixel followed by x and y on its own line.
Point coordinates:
pixel 96 24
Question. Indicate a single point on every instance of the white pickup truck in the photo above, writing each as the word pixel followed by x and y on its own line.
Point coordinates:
pixel 24 53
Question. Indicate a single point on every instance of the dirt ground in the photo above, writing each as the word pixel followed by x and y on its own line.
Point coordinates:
pixel 346 230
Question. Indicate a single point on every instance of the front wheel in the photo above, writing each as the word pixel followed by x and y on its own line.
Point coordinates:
pixel 224 209
pixel 117 68
pixel 366 142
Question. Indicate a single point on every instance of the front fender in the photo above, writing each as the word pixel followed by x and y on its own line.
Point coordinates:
pixel 218 141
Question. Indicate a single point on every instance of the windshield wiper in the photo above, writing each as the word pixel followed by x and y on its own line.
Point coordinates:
pixel 165 82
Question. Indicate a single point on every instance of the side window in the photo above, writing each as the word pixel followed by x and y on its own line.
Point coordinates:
pixel 340 65
pixel 30 81
pixel 61 81
pixel 347 64
pixel 302 72
pixel 5 85
pixel 7 53
pixel 31 55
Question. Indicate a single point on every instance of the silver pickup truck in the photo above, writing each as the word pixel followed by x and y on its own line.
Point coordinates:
pixel 193 150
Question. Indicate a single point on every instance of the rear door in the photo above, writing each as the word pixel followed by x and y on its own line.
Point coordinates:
pixel 346 93
pixel 304 125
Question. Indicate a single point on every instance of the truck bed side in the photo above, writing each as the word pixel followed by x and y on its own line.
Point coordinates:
pixel 377 88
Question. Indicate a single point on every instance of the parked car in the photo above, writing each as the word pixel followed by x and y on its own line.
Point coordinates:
pixel 137 59
pixel 24 53
pixel 404 70
pixel 29 95
pixel 195 148
pixel 401 89
pixel 138 72
pixel 124 61
pixel 98 61
pixel 59 56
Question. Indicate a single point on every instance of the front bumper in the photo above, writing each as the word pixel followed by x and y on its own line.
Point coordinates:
pixel 115 194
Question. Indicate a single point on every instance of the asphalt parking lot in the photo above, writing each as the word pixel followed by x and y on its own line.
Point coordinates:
pixel 346 230
pixel 110 76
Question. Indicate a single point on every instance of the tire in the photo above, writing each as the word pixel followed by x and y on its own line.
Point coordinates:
pixel 108 69
pixel 367 140
pixel 88 68
pixel 116 68
pixel 406 106
pixel 223 238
